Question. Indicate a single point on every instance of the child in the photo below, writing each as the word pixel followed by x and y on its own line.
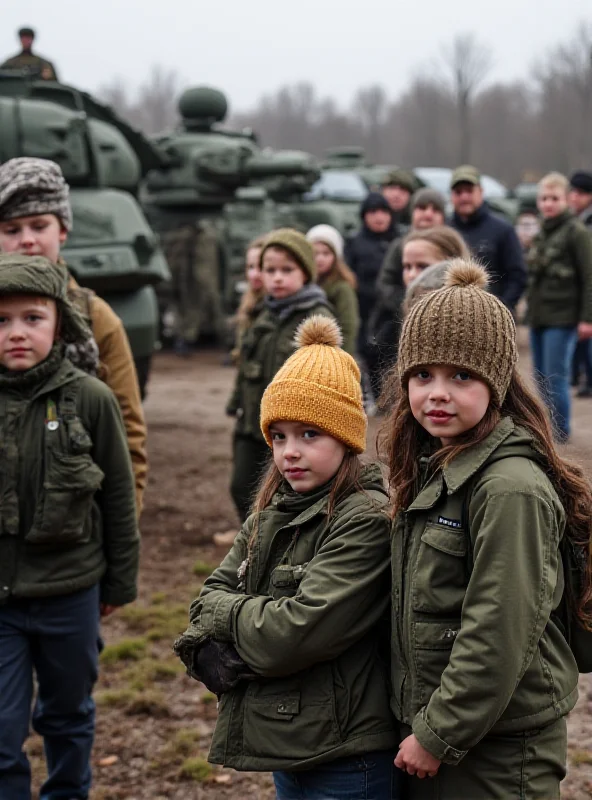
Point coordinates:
pixel 35 219
pixel 482 675
pixel 288 630
pixel 338 281
pixel 68 533
pixel 559 296
pixel 252 300
pixel 422 248
pixel 291 295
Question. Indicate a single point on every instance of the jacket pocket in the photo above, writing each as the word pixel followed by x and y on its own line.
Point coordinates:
pixel 64 508
pixel 285 580
pixel 252 370
pixel 291 719
pixel 432 644
pixel 439 578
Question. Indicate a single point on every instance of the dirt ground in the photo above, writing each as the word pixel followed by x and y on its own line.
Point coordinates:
pixel 154 723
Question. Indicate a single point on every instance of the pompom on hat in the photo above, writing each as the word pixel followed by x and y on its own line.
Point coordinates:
pixel 318 385
pixel 461 325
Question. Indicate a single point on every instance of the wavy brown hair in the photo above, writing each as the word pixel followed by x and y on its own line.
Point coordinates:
pixel 403 440
pixel 347 480
pixel 250 297
pixel 444 238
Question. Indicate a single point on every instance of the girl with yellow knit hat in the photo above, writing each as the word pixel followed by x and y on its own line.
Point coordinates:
pixel 487 517
pixel 288 631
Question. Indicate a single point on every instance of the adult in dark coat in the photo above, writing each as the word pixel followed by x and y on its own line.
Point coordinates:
pixel 492 240
pixel 579 198
pixel 364 254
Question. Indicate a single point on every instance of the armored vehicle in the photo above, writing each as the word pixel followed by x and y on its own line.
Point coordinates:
pixel 111 248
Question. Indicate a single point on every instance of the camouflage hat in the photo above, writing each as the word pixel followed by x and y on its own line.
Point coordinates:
pixel 295 243
pixel 38 276
pixel 465 174
pixel 400 177
pixel 34 186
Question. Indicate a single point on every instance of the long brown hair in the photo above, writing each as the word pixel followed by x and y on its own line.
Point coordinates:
pixel 347 480
pixel 403 440
pixel 339 268
pixel 250 297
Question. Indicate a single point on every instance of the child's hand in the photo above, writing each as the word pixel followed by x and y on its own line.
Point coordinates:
pixel 415 759
pixel 107 610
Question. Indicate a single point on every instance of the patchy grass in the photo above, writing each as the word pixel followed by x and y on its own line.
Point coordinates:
pixel 202 568
pixel 208 698
pixel 124 650
pixel 579 757
pixel 158 598
pixel 114 698
pixel 134 702
pixel 157 622
pixel 195 769
pixel 144 673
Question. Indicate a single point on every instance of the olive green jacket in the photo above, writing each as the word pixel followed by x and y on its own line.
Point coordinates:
pixel 264 348
pixel 344 301
pixel 560 274
pixel 307 611
pixel 475 649
pixel 67 509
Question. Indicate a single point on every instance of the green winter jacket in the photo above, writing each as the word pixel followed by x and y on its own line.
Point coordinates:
pixel 475 649
pixel 560 274
pixel 344 301
pixel 67 507
pixel 264 348
pixel 310 617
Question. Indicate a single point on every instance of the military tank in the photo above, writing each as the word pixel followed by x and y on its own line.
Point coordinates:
pixel 111 248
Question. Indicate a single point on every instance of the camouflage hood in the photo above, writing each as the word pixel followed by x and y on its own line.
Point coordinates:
pixel 37 276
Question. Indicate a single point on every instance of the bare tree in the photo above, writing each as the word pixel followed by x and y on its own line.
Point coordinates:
pixel 468 63
pixel 370 107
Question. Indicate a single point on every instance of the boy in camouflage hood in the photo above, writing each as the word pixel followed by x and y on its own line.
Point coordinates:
pixel 35 219
pixel 68 530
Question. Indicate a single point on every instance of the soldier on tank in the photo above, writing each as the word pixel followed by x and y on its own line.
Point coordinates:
pixel 28 60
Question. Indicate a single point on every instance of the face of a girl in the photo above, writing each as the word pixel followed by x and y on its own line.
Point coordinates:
pixel 324 258
pixel 254 276
pixel 447 401
pixel 551 201
pixel 37 235
pixel 282 275
pixel 417 256
pixel 27 330
pixel 306 456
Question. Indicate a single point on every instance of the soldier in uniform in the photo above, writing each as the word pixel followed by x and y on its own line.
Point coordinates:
pixel 193 253
pixel 26 59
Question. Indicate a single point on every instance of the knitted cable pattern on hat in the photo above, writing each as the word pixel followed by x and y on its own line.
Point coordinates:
pixel 30 186
pixel 297 245
pixel 461 325
pixel 318 385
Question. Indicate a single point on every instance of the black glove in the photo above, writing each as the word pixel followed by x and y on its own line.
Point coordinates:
pixel 219 666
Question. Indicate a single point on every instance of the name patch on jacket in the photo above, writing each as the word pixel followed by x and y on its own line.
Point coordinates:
pixel 450 523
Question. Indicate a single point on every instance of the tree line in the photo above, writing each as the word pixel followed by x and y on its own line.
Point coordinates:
pixel 450 113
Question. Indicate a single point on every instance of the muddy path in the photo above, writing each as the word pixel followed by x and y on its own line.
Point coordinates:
pixel 154 723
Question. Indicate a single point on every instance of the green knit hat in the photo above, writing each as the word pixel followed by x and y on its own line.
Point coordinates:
pixel 297 245
pixel 36 275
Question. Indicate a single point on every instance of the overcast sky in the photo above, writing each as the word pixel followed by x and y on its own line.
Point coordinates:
pixel 247 47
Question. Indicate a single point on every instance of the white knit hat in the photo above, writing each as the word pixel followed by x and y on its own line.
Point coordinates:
pixel 328 235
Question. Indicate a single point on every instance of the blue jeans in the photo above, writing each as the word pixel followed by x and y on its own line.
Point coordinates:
pixel 552 353
pixel 371 776
pixel 582 364
pixel 58 638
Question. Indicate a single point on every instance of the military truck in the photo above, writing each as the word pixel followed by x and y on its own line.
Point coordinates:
pixel 111 248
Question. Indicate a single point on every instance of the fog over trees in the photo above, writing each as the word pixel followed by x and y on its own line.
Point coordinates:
pixel 451 112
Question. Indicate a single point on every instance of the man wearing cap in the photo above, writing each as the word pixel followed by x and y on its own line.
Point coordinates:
pixel 492 240
pixel 397 188
pixel 26 59
pixel 579 198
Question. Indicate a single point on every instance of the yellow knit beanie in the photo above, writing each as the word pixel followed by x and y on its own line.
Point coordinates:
pixel 461 325
pixel 318 385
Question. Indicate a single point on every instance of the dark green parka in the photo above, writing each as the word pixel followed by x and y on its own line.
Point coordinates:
pixel 67 508
pixel 560 274
pixel 344 302
pixel 264 348
pixel 307 616
pixel 475 648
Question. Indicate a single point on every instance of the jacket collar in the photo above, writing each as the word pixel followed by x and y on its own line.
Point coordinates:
pixel 481 213
pixel 458 472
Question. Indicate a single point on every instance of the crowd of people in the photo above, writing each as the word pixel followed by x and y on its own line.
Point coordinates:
pixel 364 640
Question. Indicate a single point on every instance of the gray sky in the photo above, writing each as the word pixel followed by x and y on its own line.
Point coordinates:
pixel 247 47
